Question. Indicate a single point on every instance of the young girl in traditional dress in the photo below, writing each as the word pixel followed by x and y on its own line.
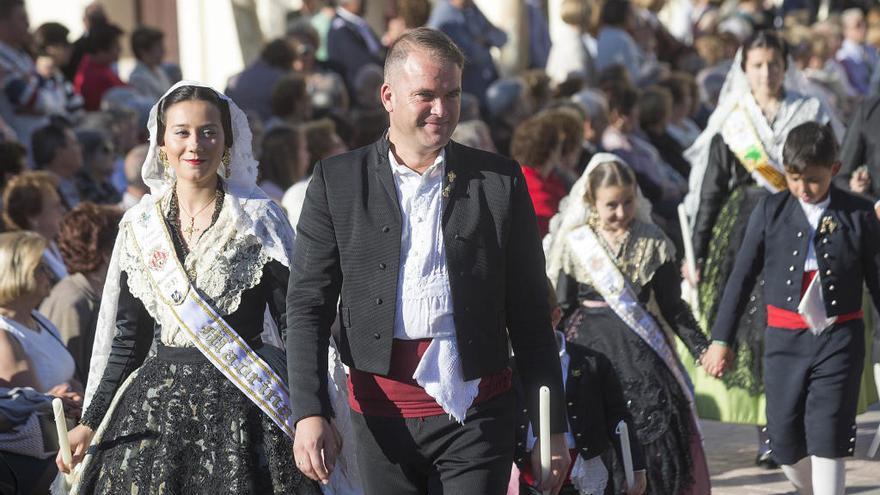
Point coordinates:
pixel 608 260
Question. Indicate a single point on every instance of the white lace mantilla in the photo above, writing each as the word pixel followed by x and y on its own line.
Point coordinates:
pixel 225 262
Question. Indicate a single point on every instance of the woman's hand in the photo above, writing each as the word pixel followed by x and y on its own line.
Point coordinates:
pixel 640 485
pixel 80 438
pixel 70 396
pixel 860 181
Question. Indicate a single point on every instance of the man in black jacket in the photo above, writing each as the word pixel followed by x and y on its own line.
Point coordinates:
pixel 432 251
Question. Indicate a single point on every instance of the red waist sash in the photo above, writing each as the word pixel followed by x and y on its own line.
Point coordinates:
pixel 792 320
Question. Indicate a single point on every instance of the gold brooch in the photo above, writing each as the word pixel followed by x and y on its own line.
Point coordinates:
pixel 828 225
pixel 450 179
pixel 576 372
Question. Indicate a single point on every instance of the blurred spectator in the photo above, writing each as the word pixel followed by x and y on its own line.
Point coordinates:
pixel 95 74
pixel 470 108
pixel 596 106
pixel 85 240
pixel 31 203
pixel 53 52
pixel 462 21
pixel 251 88
pixel 476 134
pixel 656 109
pixel 858 58
pixel 508 103
pixel 321 15
pixel 22 102
pixel 56 150
pixel 148 77
pixel 538 146
pixel 93 15
pixel 290 102
pixel 367 84
pixel 539 34
pixel 326 88
pixel 351 43
pixel 135 189
pixel 367 126
pixel 570 56
pixel 121 124
pixel 617 47
pixel 283 157
pixel 31 351
pixel 408 14
pixel 93 179
pixel 680 126
pixel 322 142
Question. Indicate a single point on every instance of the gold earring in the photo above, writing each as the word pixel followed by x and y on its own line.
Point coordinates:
pixel 163 162
pixel 225 160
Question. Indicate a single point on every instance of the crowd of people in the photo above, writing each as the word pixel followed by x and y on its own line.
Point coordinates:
pixel 655 141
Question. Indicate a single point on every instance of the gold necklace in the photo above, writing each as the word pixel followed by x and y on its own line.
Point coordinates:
pixel 192 218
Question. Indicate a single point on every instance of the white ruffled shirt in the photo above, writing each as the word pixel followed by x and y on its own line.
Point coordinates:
pixel 424 297
pixel 814 213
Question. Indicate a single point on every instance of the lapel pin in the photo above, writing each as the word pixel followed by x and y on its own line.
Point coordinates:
pixel 450 179
pixel 828 225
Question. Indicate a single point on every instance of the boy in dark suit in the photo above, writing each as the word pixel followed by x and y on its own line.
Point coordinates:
pixel 816 245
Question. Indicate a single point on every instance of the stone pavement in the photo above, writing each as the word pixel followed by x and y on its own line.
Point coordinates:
pixel 731 452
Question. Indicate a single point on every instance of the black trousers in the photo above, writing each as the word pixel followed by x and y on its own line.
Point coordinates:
pixel 437 455
pixel 812 387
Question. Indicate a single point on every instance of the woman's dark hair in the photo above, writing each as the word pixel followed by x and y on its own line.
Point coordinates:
pixel 143 39
pixel 809 144
pixel 535 140
pixel 623 100
pixel 614 12
pixel 12 156
pixel 279 155
pixel 102 36
pixel 608 174
pixel 765 39
pixel 279 53
pixel 86 236
pixel 191 93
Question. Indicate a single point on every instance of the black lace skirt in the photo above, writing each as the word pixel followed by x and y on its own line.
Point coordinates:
pixel 727 237
pixel 659 408
pixel 181 427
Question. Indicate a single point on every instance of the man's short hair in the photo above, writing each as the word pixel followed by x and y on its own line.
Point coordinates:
pixel 50 34
pixel 102 37
pixel 143 39
pixel 6 7
pixel 47 140
pixel 809 144
pixel 422 38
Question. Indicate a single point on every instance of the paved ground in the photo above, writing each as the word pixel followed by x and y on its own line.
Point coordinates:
pixel 731 453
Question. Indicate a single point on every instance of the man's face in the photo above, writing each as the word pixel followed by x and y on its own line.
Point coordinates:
pixel 856 29
pixel 423 101
pixel 811 186
pixel 68 159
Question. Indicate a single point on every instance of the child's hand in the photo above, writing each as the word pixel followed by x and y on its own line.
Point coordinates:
pixel 640 485
pixel 716 359
pixel 860 181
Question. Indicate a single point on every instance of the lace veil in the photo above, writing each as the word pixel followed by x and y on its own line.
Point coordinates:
pixel 735 88
pixel 252 214
pixel 574 211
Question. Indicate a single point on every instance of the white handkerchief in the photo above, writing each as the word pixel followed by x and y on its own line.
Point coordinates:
pixel 812 308
pixel 440 374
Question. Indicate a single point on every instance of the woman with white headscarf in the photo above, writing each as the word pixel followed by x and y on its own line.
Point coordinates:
pixel 186 390
pixel 608 260
pixel 736 161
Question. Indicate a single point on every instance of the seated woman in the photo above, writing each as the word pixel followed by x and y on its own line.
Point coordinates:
pixel 31 202
pixel 86 242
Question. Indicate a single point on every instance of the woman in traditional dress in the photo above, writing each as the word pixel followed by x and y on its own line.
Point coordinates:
pixel 608 259
pixel 185 392
pixel 735 162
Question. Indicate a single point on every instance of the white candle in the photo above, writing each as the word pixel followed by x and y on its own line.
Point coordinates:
pixel 689 256
pixel 544 434
pixel 626 453
pixel 61 428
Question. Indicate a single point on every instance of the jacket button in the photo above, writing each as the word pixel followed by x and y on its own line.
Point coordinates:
pixel 825 241
pixel 574 416
pixel 834 302
pixel 788 282
pixel 825 256
pixel 831 287
pixel 382 266
pixel 580 435
pixel 827 272
pixel 791 268
pixel 794 253
pixel 378 301
pixel 788 298
pixel 800 234
pixel 462 274
pixel 386 229
pixel 377 336
pixel 570 404
pixel 457 237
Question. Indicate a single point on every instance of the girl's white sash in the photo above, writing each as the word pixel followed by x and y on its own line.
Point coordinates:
pixel 622 299
pixel 741 137
pixel 223 347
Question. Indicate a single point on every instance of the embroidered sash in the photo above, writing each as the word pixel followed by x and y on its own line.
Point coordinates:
pixel 220 344
pixel 741 137
pixel 622 299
